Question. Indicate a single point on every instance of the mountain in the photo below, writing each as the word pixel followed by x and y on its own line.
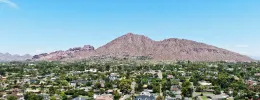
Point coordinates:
pixel 9 57
pixel 72 53
pixel 131 45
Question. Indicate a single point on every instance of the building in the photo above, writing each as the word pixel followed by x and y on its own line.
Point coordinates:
pixel 79 98
pixel 113 76
pixel 105 97
pixel 204 83
pixel 220 97
pixel 145 97
pixel 170 76
pixel 91 70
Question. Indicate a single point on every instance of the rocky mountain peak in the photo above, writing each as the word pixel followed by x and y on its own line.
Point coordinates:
pixel 132 44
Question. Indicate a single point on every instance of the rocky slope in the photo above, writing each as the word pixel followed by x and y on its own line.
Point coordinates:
pixel 72 53
pixel 139 45
pixel 9 57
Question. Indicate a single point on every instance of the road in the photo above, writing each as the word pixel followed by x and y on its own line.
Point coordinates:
pixel 133 87
pixel 160 76
pixel 125 97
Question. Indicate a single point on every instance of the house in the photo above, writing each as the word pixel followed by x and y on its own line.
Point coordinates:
pixel 73 84
pixel 170 76
pixel 91 70
pixel 33 80
pixel 3 78
pixel 169 98
pixel 102 83
pixel 208 86
pixel 54 78
pixel 115 86
pixel 251 82
pixel 148 90
pixel 177 92
pixel 145 97
pixel 18 93
pixel 257 74
pixel 80 81
pixel 110 91
pixel 204 83
pixel 32 91
pixel 86 89
pixel 230 69
pixel 42 82
pixel 104 97
pixel 79 98
pixel 182 73
pixel 236 78
pixel 177 97
pixel 220 97
pixel 113 76
pixel 145 93
pixel 175 88
pixel 145 86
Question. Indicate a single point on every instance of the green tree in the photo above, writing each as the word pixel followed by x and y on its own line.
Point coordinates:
pixel 107 67
pixel 1 94
pixel 26 85
pixel 108 85
pixel 31 96
pixel 63 96
pixel 88 83
pixel 186 84
pixel 187 92
pixel 116 95
pixel 156 89
pixel 102 91
pixel 187 89
pixel 217 90
pixel 53 98
pixel 159 98
pixel 199 89
pixel 12 97
pixel 97 85
pixel 90 94
pixel 52 90
pixel 125 86
pixel 34 87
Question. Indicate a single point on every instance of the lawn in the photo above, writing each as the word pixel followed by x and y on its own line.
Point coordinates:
pixel 230 99
pixel 204 98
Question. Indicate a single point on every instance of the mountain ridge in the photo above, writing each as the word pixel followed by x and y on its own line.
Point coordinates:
pixel 9 57
pixel 168 49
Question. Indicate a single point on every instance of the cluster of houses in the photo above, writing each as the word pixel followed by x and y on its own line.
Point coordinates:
pixel 41 84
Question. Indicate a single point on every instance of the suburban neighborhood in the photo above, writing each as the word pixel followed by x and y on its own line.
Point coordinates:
pixel 129 80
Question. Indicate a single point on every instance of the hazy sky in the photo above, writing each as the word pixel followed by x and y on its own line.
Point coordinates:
pixel 35 26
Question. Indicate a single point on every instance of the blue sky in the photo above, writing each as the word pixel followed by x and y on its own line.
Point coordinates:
pixel 35 26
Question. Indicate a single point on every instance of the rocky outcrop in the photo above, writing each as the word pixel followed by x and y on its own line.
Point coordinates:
pixel 60 55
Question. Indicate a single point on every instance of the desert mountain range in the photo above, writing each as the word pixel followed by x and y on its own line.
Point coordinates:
pixel 10 57
pixel 131 45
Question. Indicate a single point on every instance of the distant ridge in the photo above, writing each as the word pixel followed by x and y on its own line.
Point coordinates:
pixel 8 57
pixel 140 45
